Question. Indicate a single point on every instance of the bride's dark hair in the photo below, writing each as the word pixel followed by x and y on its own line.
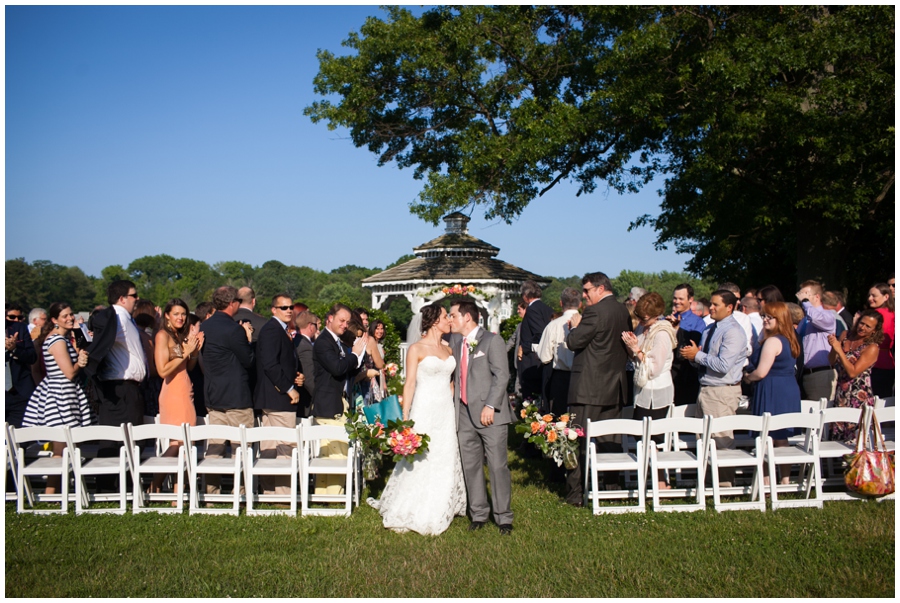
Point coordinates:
pixel 430 315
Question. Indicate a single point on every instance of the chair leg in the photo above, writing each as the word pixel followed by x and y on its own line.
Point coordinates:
pixel 773 482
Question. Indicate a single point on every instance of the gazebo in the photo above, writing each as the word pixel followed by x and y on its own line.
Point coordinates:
pixel 455 264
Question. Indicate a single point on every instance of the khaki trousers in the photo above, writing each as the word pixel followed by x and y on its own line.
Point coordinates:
pixel 720 401
pixel 270 449
pixel 216 448
pixel 331 484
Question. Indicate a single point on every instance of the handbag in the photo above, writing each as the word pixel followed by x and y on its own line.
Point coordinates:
pixel 870 472
pixel 385 411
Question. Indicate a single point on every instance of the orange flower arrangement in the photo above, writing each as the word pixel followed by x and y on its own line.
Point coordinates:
pixel 547 418
pixel 551 436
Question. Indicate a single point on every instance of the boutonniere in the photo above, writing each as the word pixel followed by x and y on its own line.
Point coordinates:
pixel 472 345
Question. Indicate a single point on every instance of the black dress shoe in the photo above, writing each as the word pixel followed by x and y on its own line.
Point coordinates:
pixel 506 530
pixel 476 525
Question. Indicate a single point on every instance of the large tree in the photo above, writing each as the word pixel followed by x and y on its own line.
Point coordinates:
pixel 772 126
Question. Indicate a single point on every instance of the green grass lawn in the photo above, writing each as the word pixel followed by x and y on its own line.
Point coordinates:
pixel 844 550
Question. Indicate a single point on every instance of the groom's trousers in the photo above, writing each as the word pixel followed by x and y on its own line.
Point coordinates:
pixel 476 445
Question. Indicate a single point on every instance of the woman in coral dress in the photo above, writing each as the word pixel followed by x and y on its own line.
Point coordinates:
pixel 176 352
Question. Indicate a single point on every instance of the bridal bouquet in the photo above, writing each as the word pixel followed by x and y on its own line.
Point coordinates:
pixel 557 438
pixel 391 369
pixel 397 439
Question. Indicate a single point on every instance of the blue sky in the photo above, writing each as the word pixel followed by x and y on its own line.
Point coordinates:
pixel 135 131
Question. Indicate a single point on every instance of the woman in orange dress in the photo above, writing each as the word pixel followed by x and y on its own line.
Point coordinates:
pixel 176 351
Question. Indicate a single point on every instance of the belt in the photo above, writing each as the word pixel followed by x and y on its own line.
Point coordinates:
pixel 809 371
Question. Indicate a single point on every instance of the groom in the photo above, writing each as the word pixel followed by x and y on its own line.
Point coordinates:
pixel 482 415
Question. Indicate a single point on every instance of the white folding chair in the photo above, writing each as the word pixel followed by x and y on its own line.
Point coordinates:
pixel 156 464
pixel 830 449
pixel 40 466
pixel 12 467
pixel 202 465
pixel 676 441
pixel 737 457
pixel 84 466
pixel 255 465
pixel 600 462
pixel 887 426
pixel 805 453
pixel 683 460
pixel 311 464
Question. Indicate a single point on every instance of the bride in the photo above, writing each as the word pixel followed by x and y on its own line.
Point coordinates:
pixel 424 496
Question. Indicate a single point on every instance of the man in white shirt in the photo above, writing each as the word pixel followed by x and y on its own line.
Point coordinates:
pixel 36 319
pixel 750 305
pixel 742 319
pixel 552 350
pixel 122 362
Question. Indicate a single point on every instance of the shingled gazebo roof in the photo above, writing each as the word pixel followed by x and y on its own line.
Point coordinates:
pixel 455 256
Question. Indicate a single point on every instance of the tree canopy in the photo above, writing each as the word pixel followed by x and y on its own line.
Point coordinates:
pixel 772 126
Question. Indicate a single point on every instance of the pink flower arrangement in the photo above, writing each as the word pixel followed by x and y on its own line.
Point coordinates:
pixel 391 369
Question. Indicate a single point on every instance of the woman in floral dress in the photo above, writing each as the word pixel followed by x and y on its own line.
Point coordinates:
pixel 854 354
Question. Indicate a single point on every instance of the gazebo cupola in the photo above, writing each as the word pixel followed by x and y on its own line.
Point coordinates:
pixel 454 264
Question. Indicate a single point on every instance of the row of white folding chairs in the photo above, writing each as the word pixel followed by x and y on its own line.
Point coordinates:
pixel 641 456
pixel 245 460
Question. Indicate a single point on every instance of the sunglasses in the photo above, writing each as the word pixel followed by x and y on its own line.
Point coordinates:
pixel 134 295
pixel 14 317
pixel 283 308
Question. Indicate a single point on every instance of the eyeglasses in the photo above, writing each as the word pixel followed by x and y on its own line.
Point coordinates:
pixel 134 295
pixel 767 317
pixel 14 317
pixel 282 308
pixel 589 289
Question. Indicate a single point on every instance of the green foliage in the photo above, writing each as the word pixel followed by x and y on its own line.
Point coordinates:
pixel 508 326
pixel 773 125
pixel 663 283
pixel 40 283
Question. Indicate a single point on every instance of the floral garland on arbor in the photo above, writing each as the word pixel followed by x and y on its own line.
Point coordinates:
pixel 458 290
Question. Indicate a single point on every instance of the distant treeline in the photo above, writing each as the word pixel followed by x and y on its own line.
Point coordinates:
pixel 162 277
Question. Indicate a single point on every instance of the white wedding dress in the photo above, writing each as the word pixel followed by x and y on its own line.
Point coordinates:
pixel 424 496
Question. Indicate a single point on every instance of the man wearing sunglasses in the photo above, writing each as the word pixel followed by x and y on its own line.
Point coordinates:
pixel 277 385
pixel 20 355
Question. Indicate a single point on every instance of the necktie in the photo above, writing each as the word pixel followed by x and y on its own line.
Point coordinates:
pixel 709 337
pixel 463 371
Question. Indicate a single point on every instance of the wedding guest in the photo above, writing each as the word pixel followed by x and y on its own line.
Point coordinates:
pixel 597 388
pixel 633 296
pixel 175 353
pixel 377 332
pixel 333 364
pixel 818 377
pixel 513 344
pixel 776 389
pixel 146 317
pixel 688 328
pixel 204 310
pixel 751 307
pixel 742 318
pixel 552 350
pixel 720 359
pixel 196 373
pixel 830 302
pixel 277 386
pixel 797 316
pixel 700 307
pixel 247 298
pixel 363 315
pixel 881 299
pixel 307 330
pixel 839 307
pixel 36 320
pixel 537 316
pixel 117 360
pixel 651 348
pixel 227 356
pixel 20 356
pixel 767 294
pixel 374 361
pixel 58 400
pixel 854 354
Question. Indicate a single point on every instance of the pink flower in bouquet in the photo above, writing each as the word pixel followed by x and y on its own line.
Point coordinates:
pixel 579 432
pixel 392 369
pixel 405 443
pixel 445 290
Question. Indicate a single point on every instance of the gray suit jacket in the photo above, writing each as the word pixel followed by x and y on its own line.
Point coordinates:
pixel 487 377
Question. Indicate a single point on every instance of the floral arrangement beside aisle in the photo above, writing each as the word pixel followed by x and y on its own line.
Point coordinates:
pixel 397 440
pixel 556 437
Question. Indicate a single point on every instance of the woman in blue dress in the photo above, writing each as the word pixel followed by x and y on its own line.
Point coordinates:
pixel 777 391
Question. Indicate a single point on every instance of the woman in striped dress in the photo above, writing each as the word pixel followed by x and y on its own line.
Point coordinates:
pixel 59 400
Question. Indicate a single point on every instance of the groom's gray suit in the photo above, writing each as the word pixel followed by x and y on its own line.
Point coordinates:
pixel 486 381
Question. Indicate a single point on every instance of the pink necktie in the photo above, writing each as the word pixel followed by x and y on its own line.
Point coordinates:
pixel 463 371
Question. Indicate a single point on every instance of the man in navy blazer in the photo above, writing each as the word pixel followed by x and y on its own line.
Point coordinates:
pixel 227 357
pixel 333 365
pixel 20 355
pixel 537 317
pixel 277 385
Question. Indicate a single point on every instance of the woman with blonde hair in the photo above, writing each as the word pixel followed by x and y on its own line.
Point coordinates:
pixel 777 391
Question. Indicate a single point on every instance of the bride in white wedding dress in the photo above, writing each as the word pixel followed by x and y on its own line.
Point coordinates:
pixel 424 496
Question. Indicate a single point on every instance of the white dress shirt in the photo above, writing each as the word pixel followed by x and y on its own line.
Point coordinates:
pixel 126 359
pixel 552 346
